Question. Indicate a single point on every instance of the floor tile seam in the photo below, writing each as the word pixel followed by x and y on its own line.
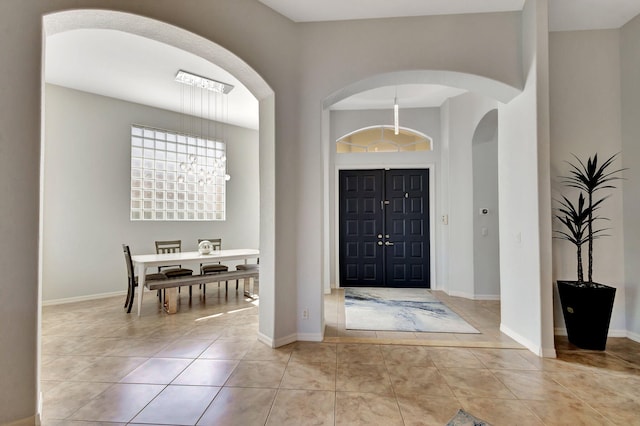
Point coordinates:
pixel 442 370
pixel 284 370
pixel 95 397
pixel 571 392
pixel 549 401
pixel 514 393
pixel 503 384
pixel 427 343
pixel 511 368
pixel 147 404
pixel 271 406
pixel 395 394
pixel 600 374
pixel 589 404
pixel 208 405
pixel 92 366
pixel 167 384
pixel 524 403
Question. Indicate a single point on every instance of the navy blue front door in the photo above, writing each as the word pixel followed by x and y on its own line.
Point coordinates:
pixel 384 228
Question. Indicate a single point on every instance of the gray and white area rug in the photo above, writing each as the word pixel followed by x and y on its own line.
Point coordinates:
pixel 462 418
pixel 400 309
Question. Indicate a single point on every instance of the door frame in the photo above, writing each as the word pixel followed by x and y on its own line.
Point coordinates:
pixel 431 166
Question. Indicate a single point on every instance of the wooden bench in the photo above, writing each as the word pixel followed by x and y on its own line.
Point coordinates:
pixel 171 285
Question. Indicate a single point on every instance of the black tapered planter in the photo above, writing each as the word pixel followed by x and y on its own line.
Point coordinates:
pixel 587 313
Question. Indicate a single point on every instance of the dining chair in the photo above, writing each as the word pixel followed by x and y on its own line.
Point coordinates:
pixel 212 268
pixel 173 271
pixel 132 279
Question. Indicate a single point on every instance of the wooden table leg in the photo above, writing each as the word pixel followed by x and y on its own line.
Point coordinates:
pixel 171 300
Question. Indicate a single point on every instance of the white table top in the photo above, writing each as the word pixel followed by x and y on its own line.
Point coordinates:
pixel 187 256
pixel 143 261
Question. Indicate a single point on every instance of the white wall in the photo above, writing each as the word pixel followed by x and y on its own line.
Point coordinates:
pixel 464 113
pixel 630 70
pixel 86 189
pixel 524 241
pixel 585 119
pixel 486 242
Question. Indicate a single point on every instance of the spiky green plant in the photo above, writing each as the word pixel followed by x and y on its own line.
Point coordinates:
pixel 576 221
pixel 591 177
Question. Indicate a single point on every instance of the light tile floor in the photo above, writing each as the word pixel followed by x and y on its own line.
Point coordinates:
pixel 204 366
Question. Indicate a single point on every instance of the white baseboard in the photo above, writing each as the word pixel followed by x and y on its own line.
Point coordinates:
pixel 83 298
pixel 486 297
pixel 276 343
pixel 538 350
pixel 472 296
pixel 633 336
pixel 549 353
pixel 266 340
pixel 618 333
pixel 296 337
pixel 459 294
pixel 310 337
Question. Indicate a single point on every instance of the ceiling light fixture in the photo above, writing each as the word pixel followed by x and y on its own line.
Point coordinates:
pixel 203 82
pixel 204 160
pixel 396 124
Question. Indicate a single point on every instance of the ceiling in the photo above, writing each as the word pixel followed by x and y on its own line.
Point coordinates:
pixel 564 15
pixel 140 70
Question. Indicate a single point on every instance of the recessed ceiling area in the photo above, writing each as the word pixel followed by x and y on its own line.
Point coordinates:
pixel 340 10
pixel 407 95
pixel 137 69
pixel 564 15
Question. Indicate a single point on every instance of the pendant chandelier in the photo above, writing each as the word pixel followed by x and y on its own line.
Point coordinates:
pixel 210 96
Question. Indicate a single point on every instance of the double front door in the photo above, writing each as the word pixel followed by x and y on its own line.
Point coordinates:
pixel 384 228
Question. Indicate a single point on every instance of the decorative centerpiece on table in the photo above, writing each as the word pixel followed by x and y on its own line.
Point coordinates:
pixel 205 247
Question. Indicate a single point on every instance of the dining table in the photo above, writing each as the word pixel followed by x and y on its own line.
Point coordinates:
pixel 142 262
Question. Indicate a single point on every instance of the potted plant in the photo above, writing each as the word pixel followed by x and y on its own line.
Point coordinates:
pixel 586 304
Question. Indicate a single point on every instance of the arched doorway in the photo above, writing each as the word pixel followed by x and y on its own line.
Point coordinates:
pixel 486 244
pixel 483 95
pixel 210 51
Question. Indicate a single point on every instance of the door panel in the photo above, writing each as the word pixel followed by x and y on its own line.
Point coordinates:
pixel 361 261
pixel 384 228
pixel 407 219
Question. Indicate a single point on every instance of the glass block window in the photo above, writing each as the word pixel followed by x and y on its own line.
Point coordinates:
pixel 383 139
pixel 176 176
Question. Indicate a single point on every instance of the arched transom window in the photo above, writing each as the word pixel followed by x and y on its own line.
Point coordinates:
pixel 383 139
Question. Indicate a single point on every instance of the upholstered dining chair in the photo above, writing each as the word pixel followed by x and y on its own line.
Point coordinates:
pixel 212 268
pixel 172 271
pixel 132 280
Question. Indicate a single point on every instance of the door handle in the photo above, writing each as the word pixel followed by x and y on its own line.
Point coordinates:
pixel 388 243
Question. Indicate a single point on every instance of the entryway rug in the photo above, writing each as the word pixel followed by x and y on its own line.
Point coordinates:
pixel 400 309
pixel 462 418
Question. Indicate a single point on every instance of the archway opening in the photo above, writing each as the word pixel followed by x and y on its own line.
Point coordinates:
pixel 178 38
pixel 451 162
